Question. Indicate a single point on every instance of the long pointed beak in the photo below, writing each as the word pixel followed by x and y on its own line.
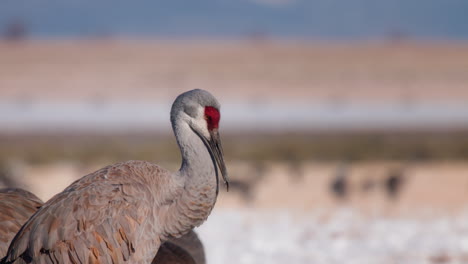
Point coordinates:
pixel 217 150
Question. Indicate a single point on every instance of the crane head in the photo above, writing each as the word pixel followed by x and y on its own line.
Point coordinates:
pixel 201 112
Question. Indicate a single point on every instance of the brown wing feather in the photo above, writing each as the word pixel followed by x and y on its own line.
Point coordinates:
pixel 16 206
pixel 187 249
pixel 97 219
pixel 169 253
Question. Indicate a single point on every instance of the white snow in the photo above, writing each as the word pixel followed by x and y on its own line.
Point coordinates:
pixel 253 237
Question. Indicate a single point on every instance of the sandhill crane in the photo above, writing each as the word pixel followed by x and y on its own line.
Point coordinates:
pixel 246 187
pixel 16 206
pixel 394 182
pixel 339 185
pixel 123 212
pixel 7 177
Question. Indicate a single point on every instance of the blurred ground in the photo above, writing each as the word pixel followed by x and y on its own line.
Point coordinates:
pixel 342 236
pixel 321 212
pixel 369 187
pixel 323 195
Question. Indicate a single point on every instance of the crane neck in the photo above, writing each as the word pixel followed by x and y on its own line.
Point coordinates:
pixel 197 163
pixel 198 176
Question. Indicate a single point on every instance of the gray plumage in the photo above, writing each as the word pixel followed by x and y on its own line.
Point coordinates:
pixel 16 206
pixel 124 212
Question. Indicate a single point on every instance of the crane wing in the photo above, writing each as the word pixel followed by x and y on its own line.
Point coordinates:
pixel 171 253
pixel 97 219
pixel 187 249
pixel 16 206
pixel 192 244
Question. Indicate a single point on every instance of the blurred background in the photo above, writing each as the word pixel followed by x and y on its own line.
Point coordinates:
pixel 344 123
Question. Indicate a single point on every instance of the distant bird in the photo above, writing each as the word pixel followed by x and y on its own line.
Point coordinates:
pixel 124 212
pixel 246 187
pixel 7 177
pixel 16 206
pixel 394 182
pixel 339 185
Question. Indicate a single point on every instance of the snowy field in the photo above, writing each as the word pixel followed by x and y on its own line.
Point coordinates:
pixel 252 236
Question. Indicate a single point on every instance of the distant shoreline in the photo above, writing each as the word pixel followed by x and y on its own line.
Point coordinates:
pixel 160 70
pixel 237 117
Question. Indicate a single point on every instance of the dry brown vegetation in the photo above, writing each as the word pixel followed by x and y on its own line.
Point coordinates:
pixel 149 70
